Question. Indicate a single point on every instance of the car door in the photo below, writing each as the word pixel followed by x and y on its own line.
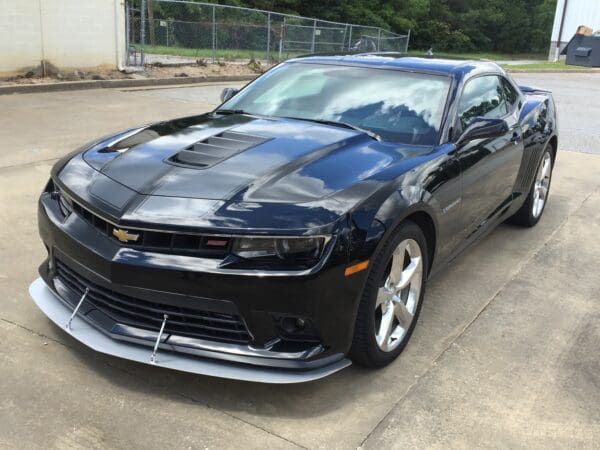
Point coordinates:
pixel 489 166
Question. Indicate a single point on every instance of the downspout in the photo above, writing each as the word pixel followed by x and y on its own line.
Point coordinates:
pixel 118 47
pixel 42 46
pixel 560 30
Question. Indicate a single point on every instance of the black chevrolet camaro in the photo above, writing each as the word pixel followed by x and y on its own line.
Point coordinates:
pixel 293 229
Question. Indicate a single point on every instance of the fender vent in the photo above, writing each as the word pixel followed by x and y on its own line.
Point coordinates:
pixel 213 150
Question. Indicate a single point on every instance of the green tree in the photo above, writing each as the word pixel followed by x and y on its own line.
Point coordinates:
pixel 508 26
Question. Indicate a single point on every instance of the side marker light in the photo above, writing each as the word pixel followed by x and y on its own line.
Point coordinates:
pixel 351 270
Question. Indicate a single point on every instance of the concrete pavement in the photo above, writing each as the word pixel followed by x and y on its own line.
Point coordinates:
pixel 526 372
pixel 577 97
pixel 37 127
pixel 505 353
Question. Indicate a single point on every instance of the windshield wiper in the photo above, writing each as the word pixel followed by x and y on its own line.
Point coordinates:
pixel 334 123
pixel 229 111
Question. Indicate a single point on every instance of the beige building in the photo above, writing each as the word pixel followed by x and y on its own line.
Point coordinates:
pixel 66 33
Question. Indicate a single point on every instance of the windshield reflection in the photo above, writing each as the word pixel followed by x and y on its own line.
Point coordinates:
pixel 399 106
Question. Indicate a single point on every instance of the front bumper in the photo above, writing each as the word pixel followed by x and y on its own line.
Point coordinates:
pixel 80 329
pixel 326 300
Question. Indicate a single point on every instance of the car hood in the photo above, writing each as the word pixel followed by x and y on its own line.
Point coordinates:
pixel 219 171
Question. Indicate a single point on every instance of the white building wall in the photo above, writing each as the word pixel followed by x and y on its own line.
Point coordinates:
pixel 20 34
pixel 577 12
pixel 67 33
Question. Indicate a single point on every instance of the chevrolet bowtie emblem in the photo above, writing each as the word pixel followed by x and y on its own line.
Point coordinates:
pixel 124 236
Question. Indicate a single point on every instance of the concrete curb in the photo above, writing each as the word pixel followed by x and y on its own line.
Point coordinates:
pixel 107 84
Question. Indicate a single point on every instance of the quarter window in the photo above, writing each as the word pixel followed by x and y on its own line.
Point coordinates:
pixel 482 97
pixel 510 93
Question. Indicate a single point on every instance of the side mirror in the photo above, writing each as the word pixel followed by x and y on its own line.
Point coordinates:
pixel 482 128
pixel 228 93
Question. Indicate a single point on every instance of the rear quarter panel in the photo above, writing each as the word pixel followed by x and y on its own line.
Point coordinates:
pixel 539 126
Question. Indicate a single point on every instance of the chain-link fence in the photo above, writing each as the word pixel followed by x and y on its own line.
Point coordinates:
pixel 181 31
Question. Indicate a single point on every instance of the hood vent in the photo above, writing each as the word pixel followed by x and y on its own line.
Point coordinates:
pixel 210 151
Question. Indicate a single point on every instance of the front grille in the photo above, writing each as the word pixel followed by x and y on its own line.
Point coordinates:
pixel 139 313
pixel 160 241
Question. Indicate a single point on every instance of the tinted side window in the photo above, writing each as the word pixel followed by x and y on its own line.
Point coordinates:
pixel 482 97
pixel 510 93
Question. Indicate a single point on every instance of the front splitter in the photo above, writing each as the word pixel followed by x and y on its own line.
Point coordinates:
pixel 85 333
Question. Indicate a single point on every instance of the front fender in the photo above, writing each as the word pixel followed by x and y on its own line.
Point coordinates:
pixel 371 227
pixel 431 189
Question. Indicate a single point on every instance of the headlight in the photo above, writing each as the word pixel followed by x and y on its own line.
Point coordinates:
pixel 66 205
pixel 299 252
pixel 64 202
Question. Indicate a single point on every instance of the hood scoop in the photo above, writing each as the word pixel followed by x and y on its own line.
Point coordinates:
pixel 212 150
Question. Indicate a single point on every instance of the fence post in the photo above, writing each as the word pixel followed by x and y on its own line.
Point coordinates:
pixel 350 39
pixel 344 38
pixel 379 40
pixel 127 32
pixel 143 33
pixel 407 39
pixel 214 36
pixel 312 45
pixel 268 38
pixel 281 39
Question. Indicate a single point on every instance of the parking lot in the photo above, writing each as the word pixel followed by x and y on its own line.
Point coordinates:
pixel 506 352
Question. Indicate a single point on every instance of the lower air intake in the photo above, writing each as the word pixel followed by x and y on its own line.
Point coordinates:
pixel 127 310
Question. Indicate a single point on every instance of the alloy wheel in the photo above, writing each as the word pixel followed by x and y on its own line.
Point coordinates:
pixel 399 296
pixel 542 185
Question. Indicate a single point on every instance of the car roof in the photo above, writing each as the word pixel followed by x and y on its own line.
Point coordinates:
pixel 428 64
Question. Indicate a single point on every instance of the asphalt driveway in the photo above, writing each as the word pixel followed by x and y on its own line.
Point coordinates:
pixel 506 352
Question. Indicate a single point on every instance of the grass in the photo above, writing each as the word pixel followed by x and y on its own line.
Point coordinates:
pixel 541 63
pixel 484 55
pixel 229 54
pixel 541 66
pixel 249 54
pixel 200 52
pixel 207 53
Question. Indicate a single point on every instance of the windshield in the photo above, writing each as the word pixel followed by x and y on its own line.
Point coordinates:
pixel 398 106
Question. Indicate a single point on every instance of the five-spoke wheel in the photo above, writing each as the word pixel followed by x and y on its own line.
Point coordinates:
pixel 541 185
pixel 392 297
pixel 399 296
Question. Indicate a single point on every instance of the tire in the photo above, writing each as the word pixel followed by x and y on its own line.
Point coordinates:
pixel 531 211
pixel 374 310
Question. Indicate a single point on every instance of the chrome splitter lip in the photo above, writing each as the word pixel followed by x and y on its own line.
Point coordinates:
pixel 81 330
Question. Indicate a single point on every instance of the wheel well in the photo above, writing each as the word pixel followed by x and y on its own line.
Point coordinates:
pixel 425 222
pixel 554 143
